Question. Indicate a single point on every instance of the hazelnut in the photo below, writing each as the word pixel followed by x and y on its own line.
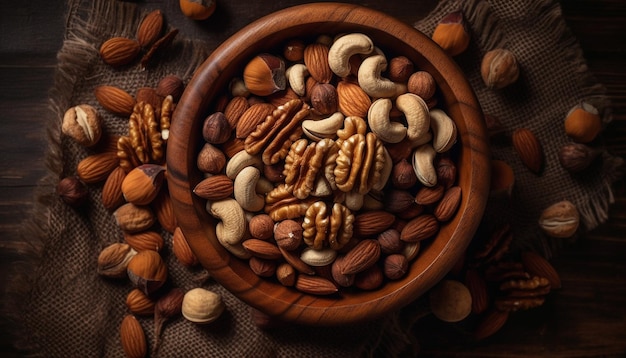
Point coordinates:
pixel 210 159
pixel 261 226
pixel 451 34
pixel 72 191
pixel 560 220
pixel 446 172
pixel 216 129
pixel 262 267
pixel 499 68
pixel 395 266
pixel 288 234
pixel 264 75
pixel 390 242
pixel 324 98
pixel 294 50
pixel 422 84
pixel 170 85
pixel 143 183
pixel 202 306
pixel 403 176
pixel 583 123
pixel 286 274
pixel 113 260
pixel 576 157
pixel 400 69
pixel 342 279
pixel 83 124
pixel 147 271
pixel 450 301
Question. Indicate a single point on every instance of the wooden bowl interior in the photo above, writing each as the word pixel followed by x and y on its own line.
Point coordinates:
pixel 267 35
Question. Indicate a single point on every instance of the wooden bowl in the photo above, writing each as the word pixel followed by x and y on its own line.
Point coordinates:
pixel 227 61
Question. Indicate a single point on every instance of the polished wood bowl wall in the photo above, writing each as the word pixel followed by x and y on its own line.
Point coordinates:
pixel 266 35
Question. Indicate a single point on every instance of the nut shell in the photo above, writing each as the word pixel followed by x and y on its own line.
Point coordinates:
pixel 560 220
pixel 202 306
pixel 147 271
pixel 499 68
pixel 83 124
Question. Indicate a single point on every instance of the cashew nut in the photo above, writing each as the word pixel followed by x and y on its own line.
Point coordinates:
pixel 241 160
pixel 321 257
pixel 378 120
pixel 343 48
pixel 444 130
pixel 263 186
pixel 244 189
pixel 371 81
pixel 296 75
pixel 238 88
pixel 317 130
pixel 232 227
pixel 417 118
pixel 423 165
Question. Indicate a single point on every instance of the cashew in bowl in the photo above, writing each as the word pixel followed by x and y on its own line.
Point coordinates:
pixel 418 120
pixel 423 164
pixel 232 227
pixel 378 120
pixel 373 83
pixel 245 189
pixel 345 47
pixel 444 130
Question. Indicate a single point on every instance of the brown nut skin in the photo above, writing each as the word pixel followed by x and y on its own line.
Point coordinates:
pixel 288 234
pixel 261 227
pixel 210 159
pixel 324 98
pixel 422 84
pixel 72 191
pixel 265 74
pixel 400 69
pixel 216 129
pixel 451 34
pixel 171 85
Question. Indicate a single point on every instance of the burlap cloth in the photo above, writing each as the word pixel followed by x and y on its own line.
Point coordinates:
pixel 67 310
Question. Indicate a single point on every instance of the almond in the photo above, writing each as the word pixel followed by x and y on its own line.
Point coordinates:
pixel 361 257
pixel 372 223
pixel 478 290
pixel 537 265
pixel 490 324
pixel 528 149
pixel 235 108
pixel 150 28
pixel 253 116
pixel 216 187
pixel 429 194
pixel 119 51
pixel 449 204
pixel 315 285
pixel 316 61
pixel 353 101
pixel 115 100
pixel 420 228
pixel 144 240
pixel 112 196
pixel 181 249
pixel 162 207
pixel 97 167
pixel 133 338
pixel 139 303
pixel 262 249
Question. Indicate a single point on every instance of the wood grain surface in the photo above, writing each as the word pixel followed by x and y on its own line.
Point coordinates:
pixel 586 318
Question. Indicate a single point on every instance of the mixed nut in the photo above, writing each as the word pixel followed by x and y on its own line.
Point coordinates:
pixel 325 167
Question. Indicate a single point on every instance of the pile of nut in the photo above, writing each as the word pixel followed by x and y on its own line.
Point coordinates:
pixel 327 165
pixel 131 173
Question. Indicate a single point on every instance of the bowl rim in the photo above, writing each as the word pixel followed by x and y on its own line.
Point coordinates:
pixel 272 298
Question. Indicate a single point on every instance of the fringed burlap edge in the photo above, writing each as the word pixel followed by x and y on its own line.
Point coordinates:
pixel 73 59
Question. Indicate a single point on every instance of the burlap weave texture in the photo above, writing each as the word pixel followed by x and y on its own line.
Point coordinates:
pixel 71 311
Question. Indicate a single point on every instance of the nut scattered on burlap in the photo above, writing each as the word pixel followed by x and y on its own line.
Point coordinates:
pixel 66 309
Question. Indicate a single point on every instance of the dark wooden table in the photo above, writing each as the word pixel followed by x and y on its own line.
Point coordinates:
pixel 586 318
